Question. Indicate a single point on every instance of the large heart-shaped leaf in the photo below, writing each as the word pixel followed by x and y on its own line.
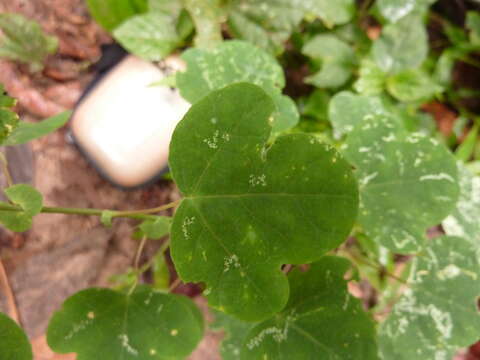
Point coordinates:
pixel 30 202
pixel 408 182
pixel 438 314
pixel 249 208
pixel 144 325
pixel 464 220
pixel 321 321
pixel 232 62
pixel 14 344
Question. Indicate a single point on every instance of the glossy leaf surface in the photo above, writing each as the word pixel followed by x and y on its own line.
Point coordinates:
pixel 147 324
pixel 232 62
pixel 249 208
pixel 408 182
pixel 14 344
pixel 438 314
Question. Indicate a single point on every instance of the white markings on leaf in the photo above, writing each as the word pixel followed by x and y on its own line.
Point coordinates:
pixel 79 327
pixel 174 332
pixel 366 179
pixel 259 180
pixel 449 272
pixel 126 344
pixel 213 141
pixel 186 223
pixel 231 261
pixel 440 176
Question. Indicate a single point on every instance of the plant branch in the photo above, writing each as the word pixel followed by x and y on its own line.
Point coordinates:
pixel 9 294
pixel 6 172
pixel 135 214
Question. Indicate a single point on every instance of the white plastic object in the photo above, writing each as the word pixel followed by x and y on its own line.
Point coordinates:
pixel 124 125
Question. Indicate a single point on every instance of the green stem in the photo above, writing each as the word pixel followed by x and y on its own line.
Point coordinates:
pixel 135 214
pixel 5 170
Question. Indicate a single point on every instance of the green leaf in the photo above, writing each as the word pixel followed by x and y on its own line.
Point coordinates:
pixel 206 15
pixel 394 10
pixel 408 182
pixel 237 61
pixel 463 221
pixel 26 132
pixel 371 80
pixel 235 333
pixel 347 109
pixel 156 229
pixel 249 208
pixel 106 218
pixel 111 13
pixel 413 85
pixel 29 200
pixel 8 119
pixel 444 68
pixel 172 7
pixel 267 25
pixel 437 315
pixel 14 344
pixel 24 40
pixel 467 148
pixel 151 36
pixel 321 321
pixel 473 23
pixel 337 59
pixel 144 325
pixel 161 274
pixel 331 12
pixel 402 45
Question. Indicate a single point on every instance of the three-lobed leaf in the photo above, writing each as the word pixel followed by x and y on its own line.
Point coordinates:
pixel 30 202
pixel 408 182
pixel 146 324
pixel 437 314
pixel 14 344
pixel 249 208
pixel 232 62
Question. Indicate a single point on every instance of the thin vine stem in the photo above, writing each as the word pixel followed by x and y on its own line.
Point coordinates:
pixel 144 214
pixel 12 305
pixel 5 170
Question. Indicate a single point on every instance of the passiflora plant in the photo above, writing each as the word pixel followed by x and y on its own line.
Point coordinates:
pixel 285 202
